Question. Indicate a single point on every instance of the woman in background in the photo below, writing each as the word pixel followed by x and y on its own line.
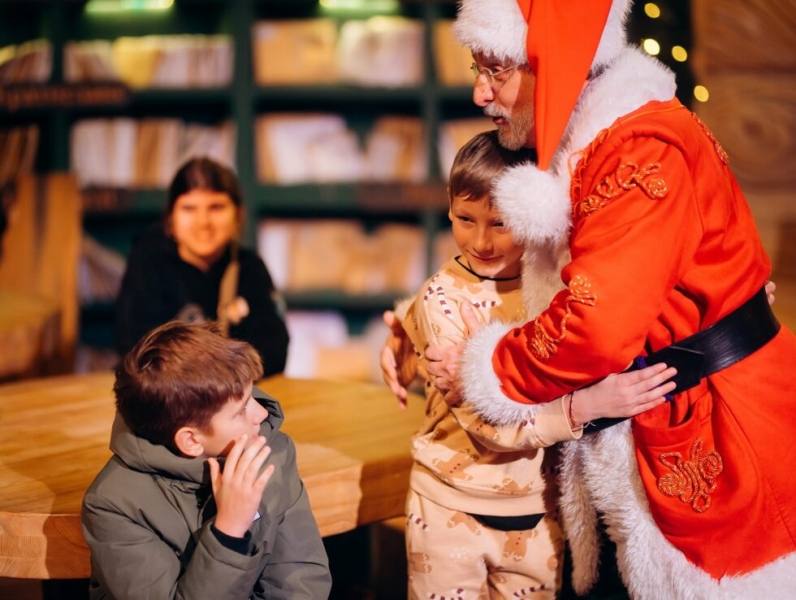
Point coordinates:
pixel 191 267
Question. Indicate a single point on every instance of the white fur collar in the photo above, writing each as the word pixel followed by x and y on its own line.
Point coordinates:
pixel 630 82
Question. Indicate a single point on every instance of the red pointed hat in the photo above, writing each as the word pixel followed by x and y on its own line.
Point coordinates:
pixel 561 40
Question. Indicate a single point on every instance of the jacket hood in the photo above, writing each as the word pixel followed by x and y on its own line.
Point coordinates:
pixel 144 456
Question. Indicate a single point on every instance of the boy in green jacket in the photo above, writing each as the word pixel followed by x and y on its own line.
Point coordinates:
pixel 179 511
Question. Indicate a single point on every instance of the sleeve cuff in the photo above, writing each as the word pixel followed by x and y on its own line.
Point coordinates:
pixel 236 544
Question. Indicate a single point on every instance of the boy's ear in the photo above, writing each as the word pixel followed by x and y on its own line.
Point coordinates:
pixel 188 442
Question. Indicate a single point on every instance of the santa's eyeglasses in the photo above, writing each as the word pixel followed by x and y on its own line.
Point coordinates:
pixel 494 78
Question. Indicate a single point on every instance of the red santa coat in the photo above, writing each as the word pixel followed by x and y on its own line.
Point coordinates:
pixel 662 246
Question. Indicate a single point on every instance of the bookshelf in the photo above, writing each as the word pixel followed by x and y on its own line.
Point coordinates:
pixel 114 215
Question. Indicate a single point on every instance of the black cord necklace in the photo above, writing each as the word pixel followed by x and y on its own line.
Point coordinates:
pixel 469 270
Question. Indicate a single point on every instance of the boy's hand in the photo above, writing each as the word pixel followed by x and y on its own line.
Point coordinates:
pixel 443 361
pixel 771 287
pixel 397 359
pixel 239 489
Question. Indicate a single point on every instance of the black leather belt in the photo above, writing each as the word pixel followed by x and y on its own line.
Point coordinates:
pixel 729 340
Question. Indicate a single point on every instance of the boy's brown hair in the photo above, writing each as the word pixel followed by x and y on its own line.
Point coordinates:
pixel 479 163
pixel 181 374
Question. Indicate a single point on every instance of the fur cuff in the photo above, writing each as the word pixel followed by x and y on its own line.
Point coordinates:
pixel 481 387
pixel 535 204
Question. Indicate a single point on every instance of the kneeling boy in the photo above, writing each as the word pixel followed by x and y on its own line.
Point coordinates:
pixel 179 511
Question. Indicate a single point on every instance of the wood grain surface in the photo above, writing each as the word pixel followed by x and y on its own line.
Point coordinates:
pixel 351 437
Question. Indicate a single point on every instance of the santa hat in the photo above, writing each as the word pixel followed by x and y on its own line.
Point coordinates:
pixel 562 40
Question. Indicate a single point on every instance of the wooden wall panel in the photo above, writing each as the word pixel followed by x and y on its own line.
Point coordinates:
pixel 744 34
pixel 744 53
pixel 754 118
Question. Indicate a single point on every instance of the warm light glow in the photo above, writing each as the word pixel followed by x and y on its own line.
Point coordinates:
pixel 679 54
pixel 652 10
pixel 106 6
pixel 651 47
pixel 701 93
pixel 381 6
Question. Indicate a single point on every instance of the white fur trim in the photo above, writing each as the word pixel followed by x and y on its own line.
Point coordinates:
pixel 494 27
pixel 633 80
pixel 541 275
pixel 578 518
pixel 614 37
pixel 497 28
pixel 650 566
pixel 534 204
pixel 479 383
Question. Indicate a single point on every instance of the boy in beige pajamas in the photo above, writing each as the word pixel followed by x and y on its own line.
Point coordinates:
pixel 477 521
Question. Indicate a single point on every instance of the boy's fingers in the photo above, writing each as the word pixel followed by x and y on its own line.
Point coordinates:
pixel 234 454
pixel 251 453
pixel 214 470
pixel 470 319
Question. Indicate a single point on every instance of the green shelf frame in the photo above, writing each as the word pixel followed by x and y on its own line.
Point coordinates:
pixel 126 211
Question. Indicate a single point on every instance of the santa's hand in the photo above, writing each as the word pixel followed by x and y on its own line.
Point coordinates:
pixel 622 395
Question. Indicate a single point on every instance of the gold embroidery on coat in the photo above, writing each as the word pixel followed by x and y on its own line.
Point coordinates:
pixel 719 150
pixel 692 480
pixel 627 176
pixel 544 345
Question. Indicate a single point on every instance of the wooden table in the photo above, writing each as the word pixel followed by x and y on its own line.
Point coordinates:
pixel 352 442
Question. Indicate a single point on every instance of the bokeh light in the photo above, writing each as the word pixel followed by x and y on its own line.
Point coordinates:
pixel 701 93
pixel 651 47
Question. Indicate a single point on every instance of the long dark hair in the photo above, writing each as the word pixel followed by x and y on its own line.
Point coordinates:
pixel 202 173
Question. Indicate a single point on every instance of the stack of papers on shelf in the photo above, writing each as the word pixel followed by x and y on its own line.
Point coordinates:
pixel 213 141
pixel 290 52
pixel 102 152
pixel 89 61
pixel 456 133
pixel 157 152
pixel 193 61
pixel 382 51
pixel 394 260
pixel 126 153
pixel 99 272
pixel 308 254
pixel 18 147
pixel 337 254
pixel 395 150
pixel 29 62
pixel 303 148
pixel 182 61
pixel 451 60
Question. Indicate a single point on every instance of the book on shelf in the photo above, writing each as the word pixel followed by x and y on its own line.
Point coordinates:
pixel 18 147
pixel 294 51
pixel 338 254
pixel 152 61
pixel 29 62
pixel 129 153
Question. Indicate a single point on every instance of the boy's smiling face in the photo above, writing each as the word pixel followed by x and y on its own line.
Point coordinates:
pixel 236 418
pixel 484 240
